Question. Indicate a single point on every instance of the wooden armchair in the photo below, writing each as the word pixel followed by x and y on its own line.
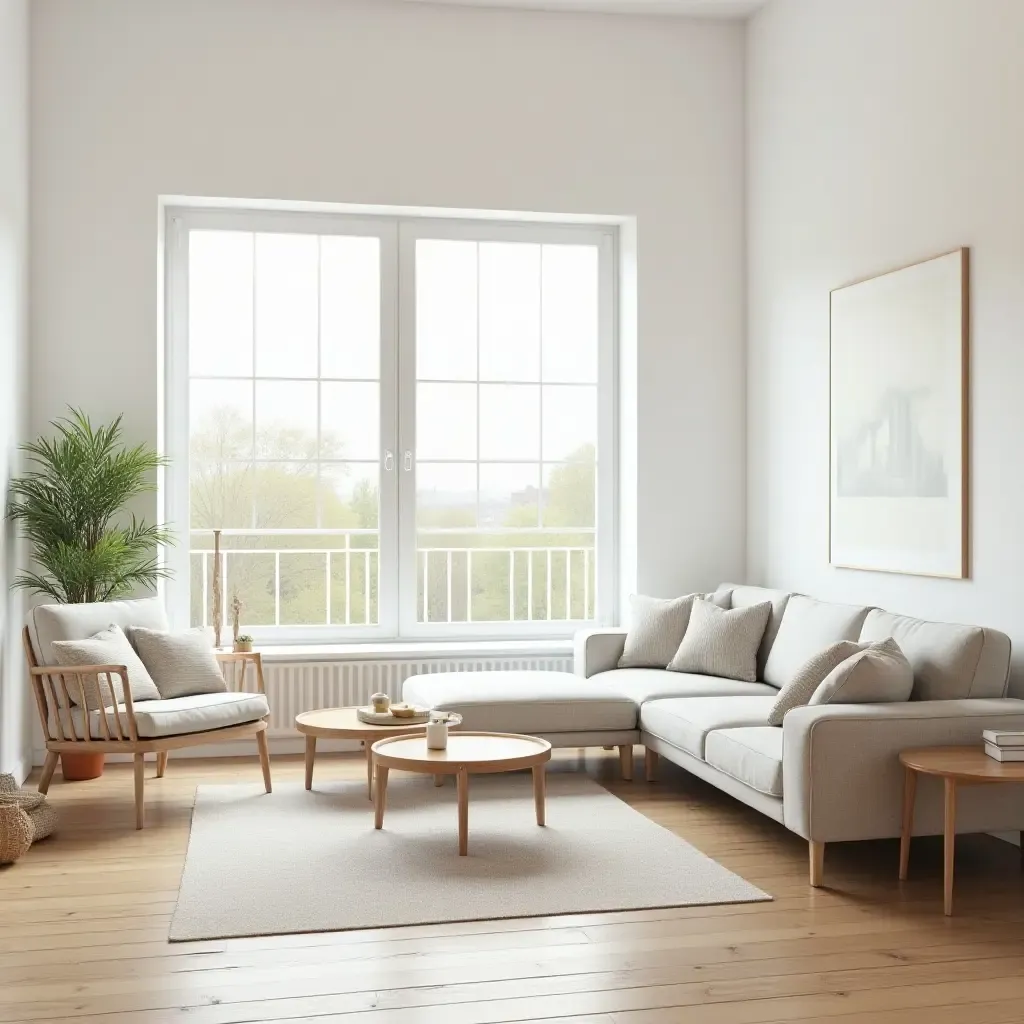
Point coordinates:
pixel 139 728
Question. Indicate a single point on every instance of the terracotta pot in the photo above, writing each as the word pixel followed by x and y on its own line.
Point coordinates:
pixel 81 767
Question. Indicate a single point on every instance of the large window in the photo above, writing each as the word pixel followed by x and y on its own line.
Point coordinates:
pixel 396 427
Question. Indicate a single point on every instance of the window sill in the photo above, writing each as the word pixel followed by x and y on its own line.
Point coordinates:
pixel 413 649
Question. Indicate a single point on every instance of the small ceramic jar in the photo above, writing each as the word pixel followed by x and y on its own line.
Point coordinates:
pixel 381 702
pixel 437 733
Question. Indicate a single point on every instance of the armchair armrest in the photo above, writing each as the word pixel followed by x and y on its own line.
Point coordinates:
pixel 597 650
pixel 66 694
pixel 842 779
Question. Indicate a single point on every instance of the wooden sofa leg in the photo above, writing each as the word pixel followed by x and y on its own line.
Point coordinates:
pixel 140 788
pixel 650 764
pixel 48 769
pixel 161 763
pixel 626 761
pixel 261 742
pixel 817 863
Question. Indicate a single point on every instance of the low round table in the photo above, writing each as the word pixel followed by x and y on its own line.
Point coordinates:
pixel 467 753
pixel 343 724
pixel 968 766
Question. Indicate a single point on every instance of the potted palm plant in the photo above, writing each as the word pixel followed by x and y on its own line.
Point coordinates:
pixel 71 509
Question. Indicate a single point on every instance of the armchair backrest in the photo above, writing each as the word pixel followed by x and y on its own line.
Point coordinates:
pixel 49 622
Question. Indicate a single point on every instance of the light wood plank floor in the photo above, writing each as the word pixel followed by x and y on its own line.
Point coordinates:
pixel 83 925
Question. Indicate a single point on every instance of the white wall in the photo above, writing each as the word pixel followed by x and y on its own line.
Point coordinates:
pixel 371 101
pixel 14 693
pixel 881 132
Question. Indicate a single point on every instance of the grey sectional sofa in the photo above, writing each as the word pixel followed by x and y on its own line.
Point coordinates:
pixel 830 773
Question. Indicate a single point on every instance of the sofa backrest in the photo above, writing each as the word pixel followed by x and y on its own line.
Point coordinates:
pixel 49 622
pixel 950 661
pixel 744 597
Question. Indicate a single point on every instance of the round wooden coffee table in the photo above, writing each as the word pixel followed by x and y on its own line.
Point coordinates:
pixel 969 766
pixel 343 724
pixel 467 753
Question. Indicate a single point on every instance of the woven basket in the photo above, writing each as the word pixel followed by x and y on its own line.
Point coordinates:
pixel 15 831
pixel 41 816
pixel 43 820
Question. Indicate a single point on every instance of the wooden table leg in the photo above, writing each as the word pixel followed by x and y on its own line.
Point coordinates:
pixel 539 787
pixel 909 795
pixel 380 796
pixel 310 754
pixel 462 781
pixel 369 770
pixel 949 842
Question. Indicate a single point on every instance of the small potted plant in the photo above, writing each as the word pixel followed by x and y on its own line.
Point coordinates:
pixel 243 643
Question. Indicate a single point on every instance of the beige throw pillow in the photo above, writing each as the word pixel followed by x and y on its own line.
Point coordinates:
pixel 801 687
pixel 107 647
pixel 878 674
pixel 657 626
pixel 182 664
pixel 722 643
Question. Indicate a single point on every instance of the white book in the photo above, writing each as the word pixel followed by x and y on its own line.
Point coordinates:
pixel 1004 753
pixel 1003 739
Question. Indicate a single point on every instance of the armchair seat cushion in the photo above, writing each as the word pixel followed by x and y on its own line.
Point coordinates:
pixel 177 716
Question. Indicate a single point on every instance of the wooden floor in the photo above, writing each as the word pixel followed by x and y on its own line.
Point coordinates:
pixel 84 917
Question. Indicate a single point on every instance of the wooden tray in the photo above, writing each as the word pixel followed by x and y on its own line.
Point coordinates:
pixel 371 717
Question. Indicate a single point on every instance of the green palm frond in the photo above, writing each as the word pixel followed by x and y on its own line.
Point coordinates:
pixel 69 505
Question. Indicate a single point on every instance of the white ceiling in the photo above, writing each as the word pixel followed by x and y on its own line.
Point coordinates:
pixel 686 8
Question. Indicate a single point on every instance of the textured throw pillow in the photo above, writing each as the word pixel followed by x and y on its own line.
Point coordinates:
pixel 107 647
pixel 181 664
pixel 878 674
pixel 722 643
pixel 656 628
pixel 800 688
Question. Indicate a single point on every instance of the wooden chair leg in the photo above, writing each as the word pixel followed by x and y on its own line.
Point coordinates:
pixel 817 863
pixel 626 761
pixel 161 763
pixel 650 765
pixel 140 788
pixel 48 769
pixel 261 742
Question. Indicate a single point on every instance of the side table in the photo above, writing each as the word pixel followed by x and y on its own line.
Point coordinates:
pixel 965 766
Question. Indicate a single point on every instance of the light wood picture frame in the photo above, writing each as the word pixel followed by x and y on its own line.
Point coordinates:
pixel 899 420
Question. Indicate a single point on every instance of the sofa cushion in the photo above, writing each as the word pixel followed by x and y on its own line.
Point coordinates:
pixel 642 684
pixel 181 664
pixel 945 657
pixel 107 647
pixel 744 597
pixel 809 626
pixel 751 755
pixel 686 721
pixel 657 627
pixel 722 643
pixel 176 717
pixel 879 674
pixel 49 622
pixel 806 680
pixel 523 701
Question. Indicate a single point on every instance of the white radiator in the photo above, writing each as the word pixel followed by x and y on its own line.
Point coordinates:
pixel 294 687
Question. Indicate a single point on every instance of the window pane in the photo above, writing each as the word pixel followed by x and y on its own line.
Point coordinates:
pixel 349 496
pixel 445 495
pixel 509 421
pixel 220 420
pixel 509 494
pixel 570 422
pixel 220 495
pixel 286 305
pixel 446 310
pixel 286 419
pixel 354 586
pixel 509 311
pixel 220 282
pixel 569 494
pixel 570 313
pixel 285 495
pixel 303 583
pixel 349 421
pixel 349 306
pixel 445 421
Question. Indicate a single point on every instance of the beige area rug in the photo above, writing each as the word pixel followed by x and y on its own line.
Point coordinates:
pixel 298 861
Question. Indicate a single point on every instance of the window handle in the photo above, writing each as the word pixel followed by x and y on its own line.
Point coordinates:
pixel 408 460
pixel 389 460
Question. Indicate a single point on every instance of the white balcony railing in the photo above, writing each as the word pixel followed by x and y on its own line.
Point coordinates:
pixel 455 583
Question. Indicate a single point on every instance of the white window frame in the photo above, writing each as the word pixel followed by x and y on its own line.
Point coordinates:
pixel 397 586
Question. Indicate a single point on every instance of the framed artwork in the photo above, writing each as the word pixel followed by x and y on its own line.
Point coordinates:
pixel 899 420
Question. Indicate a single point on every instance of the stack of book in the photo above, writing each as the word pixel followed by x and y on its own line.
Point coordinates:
pixel 1004 746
